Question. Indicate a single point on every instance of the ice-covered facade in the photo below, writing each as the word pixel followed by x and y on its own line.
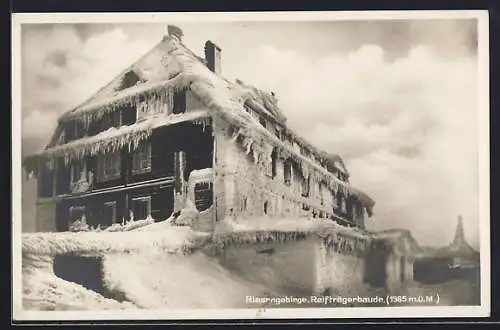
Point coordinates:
pixel 169 129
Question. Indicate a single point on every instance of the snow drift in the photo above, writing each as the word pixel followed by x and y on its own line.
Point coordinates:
pixel 155 266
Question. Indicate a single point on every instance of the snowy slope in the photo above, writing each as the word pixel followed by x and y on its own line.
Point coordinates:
pixel 152 269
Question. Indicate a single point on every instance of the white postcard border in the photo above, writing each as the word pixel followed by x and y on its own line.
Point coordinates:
pixel 267 313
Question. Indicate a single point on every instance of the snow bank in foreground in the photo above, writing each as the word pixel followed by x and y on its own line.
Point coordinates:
pixel 148 266
pixel 168 239
pixel 45 291
pixel 159 280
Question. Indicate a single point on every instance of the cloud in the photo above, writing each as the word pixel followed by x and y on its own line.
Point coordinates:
pixel 406 128
pixel 61 69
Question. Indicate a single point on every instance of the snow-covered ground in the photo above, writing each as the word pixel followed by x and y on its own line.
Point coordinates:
pixel 164 266
pixel 153 267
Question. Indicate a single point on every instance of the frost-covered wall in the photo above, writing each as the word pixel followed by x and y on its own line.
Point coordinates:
pixel 250 188
pixel 337 272
pixel 281 267
pixel 296 267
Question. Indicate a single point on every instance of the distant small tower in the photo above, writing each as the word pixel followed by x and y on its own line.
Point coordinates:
pixel 459 232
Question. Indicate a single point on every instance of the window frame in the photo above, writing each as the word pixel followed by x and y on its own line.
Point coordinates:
pixel 106 162
pixel 197 190
pixel 113 205
pixel 141 199
pixel 77 176
pixel 138 158
pixel 287 172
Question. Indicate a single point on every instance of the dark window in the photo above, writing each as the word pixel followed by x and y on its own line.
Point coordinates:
pixel 203 196
pixel 274 163
pixel 265 207
pixel 74 130
pixel 320 191
pixel 129 115
pixel 79 129
pixel 288 172
pixel 108 166
pixel 45 181
pixel 306 186
pixel 129 79
pixel 141 159
pixel 179 102
pixel 111 119
pixel 141 207
pixel 109 216
pixel 69 131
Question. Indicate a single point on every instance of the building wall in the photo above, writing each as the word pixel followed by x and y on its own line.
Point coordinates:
pixel 337 273
pixel 45 216
pixel 297 267
pixel 399 269
pixel 281 267
pixel 249 190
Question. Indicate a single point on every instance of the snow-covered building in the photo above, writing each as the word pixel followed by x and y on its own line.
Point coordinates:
pixel 170 128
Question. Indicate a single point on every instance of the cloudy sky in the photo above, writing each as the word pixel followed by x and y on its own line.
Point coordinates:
pixel 396 99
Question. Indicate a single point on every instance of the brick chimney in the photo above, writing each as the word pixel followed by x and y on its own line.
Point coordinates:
pixel 213 57
pixel 174 31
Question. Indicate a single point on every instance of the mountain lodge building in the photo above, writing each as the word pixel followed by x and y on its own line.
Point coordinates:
pixel 169 129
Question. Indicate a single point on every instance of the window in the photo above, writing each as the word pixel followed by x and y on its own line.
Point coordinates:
pixel 78 172
pixel 76 213
pixel 343 205
pixel 108 166
pixel 79 129
pixel 74 130
pixel 271 167
pixel 109 216
pixel 129 79
pixel 112 119
pixel 306 186
pixel 45 183
pixel 179 101
pixel 141 207
pixel 141 159
pixel 265 207
pixel 203 196
pixel 320 192
pixel 274 163
pixel 288 173
pixel 129 115
pixel 335 200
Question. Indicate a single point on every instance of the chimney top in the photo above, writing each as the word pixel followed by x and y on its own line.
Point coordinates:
pixel 174 31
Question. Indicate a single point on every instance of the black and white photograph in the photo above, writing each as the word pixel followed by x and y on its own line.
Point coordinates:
pixel 250 165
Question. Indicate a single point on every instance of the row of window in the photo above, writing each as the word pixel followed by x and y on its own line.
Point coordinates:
pixel 140 208
pixel 109 165
pixel 128 115
pixel 107 214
